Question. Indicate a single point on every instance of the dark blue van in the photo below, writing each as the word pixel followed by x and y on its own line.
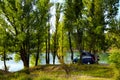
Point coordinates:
pixel 87 58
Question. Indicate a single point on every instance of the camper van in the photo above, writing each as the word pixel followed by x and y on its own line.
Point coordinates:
pixel 87 58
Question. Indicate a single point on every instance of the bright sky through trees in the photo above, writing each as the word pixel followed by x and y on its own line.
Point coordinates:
pixel 52 20
pixel 57 1
pixel 119 11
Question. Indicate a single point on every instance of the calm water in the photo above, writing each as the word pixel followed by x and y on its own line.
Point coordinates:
pixel 13 66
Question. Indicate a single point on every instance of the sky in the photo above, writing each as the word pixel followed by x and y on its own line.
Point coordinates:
pixel 57 1
pixel 119 11
pixel 52 10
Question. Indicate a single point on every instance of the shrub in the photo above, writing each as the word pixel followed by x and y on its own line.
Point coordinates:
pixel 114 59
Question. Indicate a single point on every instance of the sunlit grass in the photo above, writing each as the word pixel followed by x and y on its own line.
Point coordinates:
pixel 50 72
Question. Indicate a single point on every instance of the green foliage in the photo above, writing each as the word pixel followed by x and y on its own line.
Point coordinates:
pixel 17 57
pixel 115 62
pixel 24 26
pixel 21 36
pixel 104 57
pixel 113 33
pixel 26 23
pixel 114 56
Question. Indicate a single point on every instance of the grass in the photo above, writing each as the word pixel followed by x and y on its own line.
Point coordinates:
pixel 55 72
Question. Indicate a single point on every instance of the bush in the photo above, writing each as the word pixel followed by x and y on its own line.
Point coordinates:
pixel 114 59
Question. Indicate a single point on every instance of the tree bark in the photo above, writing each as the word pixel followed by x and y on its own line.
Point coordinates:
pixel 79 35
pixel 4 57
pixel 38 52
pixel 54 54
pixel 54 50
pixel 70 45
pixel 49 45
pixel 25 57
pixel 46 51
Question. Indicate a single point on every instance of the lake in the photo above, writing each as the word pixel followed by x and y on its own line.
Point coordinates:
pixel 13 66
pixel 16 66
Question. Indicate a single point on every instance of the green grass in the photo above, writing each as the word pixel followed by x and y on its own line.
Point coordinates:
pixel 50 72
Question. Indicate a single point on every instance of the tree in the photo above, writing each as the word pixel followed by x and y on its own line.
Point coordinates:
pixel 5 43
pixel 114 35
pixel 68 20
pixel 20 17
pixel 55 35
pixel 43 27
pixel 98 18
pixel 95 28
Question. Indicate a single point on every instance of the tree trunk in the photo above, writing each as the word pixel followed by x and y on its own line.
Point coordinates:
pixel 70 45
pixel 38 51
pixel 79 35
pixel 55 47
pixel 54 54
pixel 25 57
pixel 4 57
pixel 37 57
pixel 48 45
pixel 46 51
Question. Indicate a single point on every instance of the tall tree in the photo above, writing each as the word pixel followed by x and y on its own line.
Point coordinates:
pixel 42 27
pixel 55 43
pixel 95 18
pixel 113 33
pixel 68 20
pixel 5 43
pixel 19 14
pixel 98 18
